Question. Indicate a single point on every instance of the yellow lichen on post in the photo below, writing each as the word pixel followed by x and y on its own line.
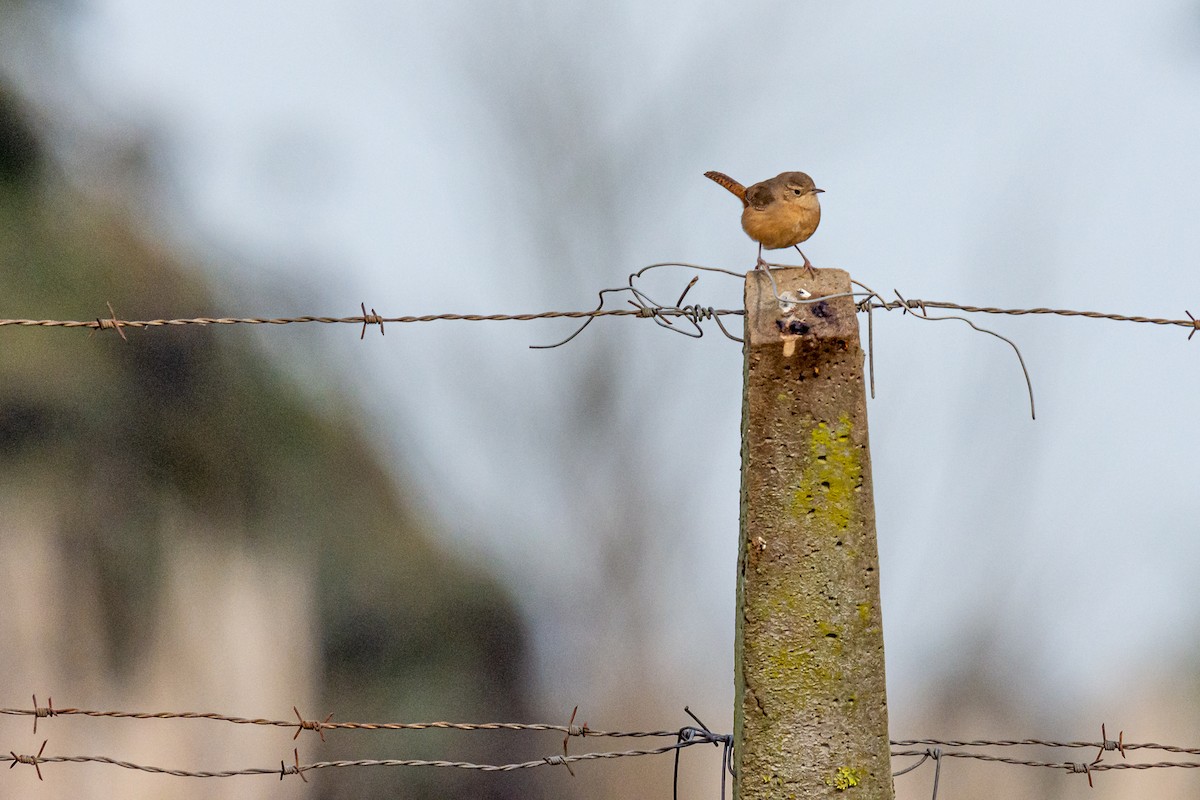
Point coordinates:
pixel 844 778
pixel 811 714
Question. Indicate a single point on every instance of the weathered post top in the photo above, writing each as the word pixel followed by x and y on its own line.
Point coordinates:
pixel 811 712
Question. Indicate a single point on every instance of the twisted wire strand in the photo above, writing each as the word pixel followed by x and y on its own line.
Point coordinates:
pixel 108 323
pixel 573 730
pixel 1041 743
pixel 1075 767
pixel 1070 766
pixel 299 769
pixel 916 305
pixel 644 307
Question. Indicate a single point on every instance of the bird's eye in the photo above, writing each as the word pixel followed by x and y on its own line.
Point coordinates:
pixel 797 192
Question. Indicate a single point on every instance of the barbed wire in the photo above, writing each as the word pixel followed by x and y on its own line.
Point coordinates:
pixel 368 318
pixel 299 769
pixel 318 726
pixel 643 306
pixel 687 736
pixel 1070 766
pixel 684 737
pixel 916 305
pixel 1097 764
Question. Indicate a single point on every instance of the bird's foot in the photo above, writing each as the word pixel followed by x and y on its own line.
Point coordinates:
pixel 808 267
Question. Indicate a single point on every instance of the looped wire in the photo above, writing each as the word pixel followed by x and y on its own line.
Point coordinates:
pixel 689 735
pixel 934 753
pixel 661 313
pixel 907 305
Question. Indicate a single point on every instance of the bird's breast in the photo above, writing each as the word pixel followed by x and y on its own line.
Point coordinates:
pixel 781 224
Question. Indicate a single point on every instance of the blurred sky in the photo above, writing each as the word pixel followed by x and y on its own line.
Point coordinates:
pixel 435 157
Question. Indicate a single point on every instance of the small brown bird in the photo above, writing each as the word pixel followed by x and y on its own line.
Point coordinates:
pixel 780 212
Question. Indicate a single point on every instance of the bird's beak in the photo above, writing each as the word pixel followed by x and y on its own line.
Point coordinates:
pixel 817 191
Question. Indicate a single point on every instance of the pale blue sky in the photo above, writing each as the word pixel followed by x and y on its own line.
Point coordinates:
pixel 437 157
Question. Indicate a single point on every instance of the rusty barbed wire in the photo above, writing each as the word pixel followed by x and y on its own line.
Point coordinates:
pixel 299 769
pixel 914 304
pixel 684 737
pixel 113 323
pixel 1082 767
pixel 1097 764
pixel 318 726
pixel 643 306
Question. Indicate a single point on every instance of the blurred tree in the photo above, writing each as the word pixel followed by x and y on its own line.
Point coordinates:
pixel 179 524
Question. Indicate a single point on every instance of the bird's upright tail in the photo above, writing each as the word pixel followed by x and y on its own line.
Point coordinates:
pixel 729 183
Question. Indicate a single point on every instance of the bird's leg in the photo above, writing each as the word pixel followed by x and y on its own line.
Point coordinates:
pixel 760 264
pixel 812 271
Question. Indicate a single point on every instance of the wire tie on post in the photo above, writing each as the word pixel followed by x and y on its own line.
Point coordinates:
pixel 311 725
pixel 370 319
pixel 48 711
pixel 32 760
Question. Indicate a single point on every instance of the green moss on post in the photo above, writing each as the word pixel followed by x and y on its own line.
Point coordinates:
pixel 811 714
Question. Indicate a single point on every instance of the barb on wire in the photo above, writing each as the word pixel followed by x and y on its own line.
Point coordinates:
pixel 370 319
pixel 661 314
pixel 573 731
pixel 311 725
pixel 31 760
pixel 39 712
pixel 110 322
pixel 296 770
pixel 1107 744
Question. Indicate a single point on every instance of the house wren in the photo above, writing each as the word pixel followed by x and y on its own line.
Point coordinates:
pixel 780 212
